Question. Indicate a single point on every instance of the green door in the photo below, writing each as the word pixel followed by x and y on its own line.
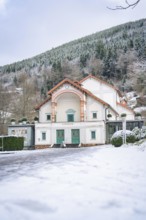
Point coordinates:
pixel 75 136
pixel 59 136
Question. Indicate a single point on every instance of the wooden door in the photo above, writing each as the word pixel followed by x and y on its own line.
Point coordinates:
pixel 75 136
pixel 59 136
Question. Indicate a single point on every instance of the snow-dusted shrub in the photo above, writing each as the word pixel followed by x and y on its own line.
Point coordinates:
pixel 137 132
pixel 116 141
pixel 137 114
pixel 24 119
pixel 36 118
pixel 13 120
pixel 143 132
pixel 123 115
pixel 117 138
pixel 109 115
pixel 140 133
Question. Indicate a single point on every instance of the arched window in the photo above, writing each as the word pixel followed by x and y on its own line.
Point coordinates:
pixel 70 115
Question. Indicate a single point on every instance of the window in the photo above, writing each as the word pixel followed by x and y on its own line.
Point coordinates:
pixel 94 115
pixel 93 135
pixel 13 132
pixel 70 117
pixel 43 136
pixel 48 117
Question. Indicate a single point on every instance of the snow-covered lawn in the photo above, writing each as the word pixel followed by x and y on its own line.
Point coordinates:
pixel 77 184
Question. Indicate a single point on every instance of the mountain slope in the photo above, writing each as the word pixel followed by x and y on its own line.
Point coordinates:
pixel 107 53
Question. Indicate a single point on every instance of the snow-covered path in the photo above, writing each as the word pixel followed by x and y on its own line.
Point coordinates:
pixel 74 184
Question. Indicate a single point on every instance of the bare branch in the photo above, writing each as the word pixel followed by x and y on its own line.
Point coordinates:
pixel 128 5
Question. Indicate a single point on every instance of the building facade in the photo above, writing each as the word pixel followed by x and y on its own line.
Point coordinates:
pixel 27 131
pixel 76 113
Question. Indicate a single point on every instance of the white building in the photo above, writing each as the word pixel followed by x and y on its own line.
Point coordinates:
pixel 76 113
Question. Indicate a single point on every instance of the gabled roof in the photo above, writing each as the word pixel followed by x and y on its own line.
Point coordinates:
pixel 63 82
pixel 102 81
pixel 100 100
pixel 76 85
pixel 125 106
pixel 44 102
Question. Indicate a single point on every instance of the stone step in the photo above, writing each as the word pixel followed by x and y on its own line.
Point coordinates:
pixel 65 146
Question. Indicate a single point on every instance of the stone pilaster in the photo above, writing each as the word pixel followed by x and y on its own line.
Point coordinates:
pixel 53 111
pixel 82 110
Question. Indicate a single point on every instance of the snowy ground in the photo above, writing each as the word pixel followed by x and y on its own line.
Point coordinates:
pixel 96 183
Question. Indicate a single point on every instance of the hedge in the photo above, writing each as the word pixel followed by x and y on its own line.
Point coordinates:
pixel 11 143
pixel 117 138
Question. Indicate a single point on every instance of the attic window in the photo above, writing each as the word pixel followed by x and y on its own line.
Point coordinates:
pixel 94 115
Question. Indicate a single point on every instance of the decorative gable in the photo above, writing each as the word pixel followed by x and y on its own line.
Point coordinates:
pixel 67 86
pixel 68 89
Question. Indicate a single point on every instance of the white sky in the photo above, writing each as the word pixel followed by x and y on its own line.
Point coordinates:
pixel 30 27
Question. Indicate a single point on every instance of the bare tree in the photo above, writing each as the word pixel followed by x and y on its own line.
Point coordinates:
pixel 4 108
pixel 95 66
pixel 24 104
pixel 128 5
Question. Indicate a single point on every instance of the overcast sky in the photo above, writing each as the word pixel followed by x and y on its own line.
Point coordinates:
pixel 30 27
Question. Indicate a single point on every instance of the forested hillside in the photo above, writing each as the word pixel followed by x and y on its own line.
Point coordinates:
pixel 107 53
pixel 118 55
